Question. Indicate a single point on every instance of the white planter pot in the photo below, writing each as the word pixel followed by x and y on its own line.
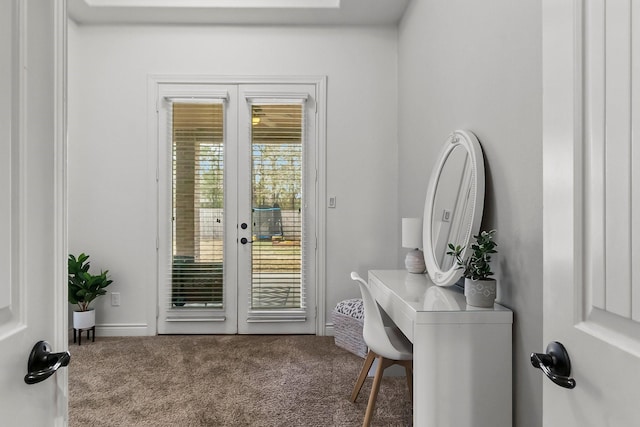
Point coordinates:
pixel 480 293
pixel 84 319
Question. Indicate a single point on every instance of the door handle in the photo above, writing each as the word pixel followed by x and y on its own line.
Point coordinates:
pixel 555 364
pixel 244 241
pixel 42 363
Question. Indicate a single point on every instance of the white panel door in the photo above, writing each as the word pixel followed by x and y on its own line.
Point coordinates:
pixel 32 208
pixel 591 81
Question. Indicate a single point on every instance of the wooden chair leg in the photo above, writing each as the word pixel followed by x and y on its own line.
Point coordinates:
pixel 363 375
pixel 375 387
pixel 408 369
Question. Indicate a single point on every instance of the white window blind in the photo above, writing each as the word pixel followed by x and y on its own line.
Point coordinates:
pixel 197 136
pixel 278 258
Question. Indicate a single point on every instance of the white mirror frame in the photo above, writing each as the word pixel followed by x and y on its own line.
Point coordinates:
pixel 469 142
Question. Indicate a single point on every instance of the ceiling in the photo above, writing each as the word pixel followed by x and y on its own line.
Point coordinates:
pixel 238 12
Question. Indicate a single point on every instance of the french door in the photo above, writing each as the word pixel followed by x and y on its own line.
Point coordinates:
pixel 237 202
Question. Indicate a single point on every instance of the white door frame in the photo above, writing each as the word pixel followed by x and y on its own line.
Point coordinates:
pixel 155 81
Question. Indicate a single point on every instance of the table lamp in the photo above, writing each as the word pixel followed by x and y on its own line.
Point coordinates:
pixel 412 238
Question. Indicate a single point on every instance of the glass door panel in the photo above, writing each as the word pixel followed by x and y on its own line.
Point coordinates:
pixel 276 188
pixel 198 206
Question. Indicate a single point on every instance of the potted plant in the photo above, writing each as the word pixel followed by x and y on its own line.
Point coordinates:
pixel 479 286
pixel 84 287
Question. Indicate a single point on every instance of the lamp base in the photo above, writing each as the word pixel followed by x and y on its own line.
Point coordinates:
pixel 414 262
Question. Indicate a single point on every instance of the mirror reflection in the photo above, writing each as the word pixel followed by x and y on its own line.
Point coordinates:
pixel 454 204
pixel 449 222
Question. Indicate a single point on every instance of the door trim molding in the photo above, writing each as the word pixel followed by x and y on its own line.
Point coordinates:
pixel 60 171
pixel 60 202
pixel 156 80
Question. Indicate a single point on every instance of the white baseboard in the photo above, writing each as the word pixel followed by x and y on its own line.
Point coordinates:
pixel 143 330
pixel 121 330
pixel 328 330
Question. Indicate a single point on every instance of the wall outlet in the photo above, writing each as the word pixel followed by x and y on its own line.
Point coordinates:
pixel 115 299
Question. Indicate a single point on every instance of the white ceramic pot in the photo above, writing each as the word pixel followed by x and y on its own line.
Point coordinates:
pixel 414 262
pixel 84 319
pixel 480 293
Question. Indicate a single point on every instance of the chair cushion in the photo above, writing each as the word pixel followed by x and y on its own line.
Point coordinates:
pixel 351 307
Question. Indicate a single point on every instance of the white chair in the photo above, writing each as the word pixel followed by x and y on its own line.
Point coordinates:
pixel 386 344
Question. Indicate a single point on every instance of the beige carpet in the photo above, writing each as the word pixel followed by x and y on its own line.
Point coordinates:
pixel 231 380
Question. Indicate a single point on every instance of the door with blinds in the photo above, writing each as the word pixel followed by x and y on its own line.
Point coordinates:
pixel 236 198
pixel 276 196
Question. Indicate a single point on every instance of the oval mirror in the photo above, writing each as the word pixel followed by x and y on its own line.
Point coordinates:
pixel 454 204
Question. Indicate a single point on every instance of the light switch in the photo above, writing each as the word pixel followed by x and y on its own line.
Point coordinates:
pixel 332 201
pixel 115 299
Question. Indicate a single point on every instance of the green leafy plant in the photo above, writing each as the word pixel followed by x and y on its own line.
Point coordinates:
pixel 477 266
pixel 84 287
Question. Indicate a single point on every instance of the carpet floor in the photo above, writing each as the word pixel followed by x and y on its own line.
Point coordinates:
pixel 224 380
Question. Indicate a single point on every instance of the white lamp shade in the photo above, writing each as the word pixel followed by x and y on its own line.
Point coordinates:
pixel 411 233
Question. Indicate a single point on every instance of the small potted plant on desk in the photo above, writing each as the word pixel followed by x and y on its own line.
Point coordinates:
pixel 84 287
pixel 479 287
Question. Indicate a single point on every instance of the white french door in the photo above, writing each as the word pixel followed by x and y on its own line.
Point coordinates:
pixel 236 204
pixel 276 187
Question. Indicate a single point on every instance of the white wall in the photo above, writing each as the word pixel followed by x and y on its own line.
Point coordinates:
pixel 477 65
pixel 111 187
pixel 460 64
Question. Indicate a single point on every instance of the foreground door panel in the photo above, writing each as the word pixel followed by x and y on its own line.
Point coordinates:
pixel 591 196
pixel 33 250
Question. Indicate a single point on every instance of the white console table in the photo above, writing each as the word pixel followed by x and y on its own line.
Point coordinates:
pixel 462 355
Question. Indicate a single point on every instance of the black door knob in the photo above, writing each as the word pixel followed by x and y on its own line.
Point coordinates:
pixel 555 364
pixel 244 241
pixel 243 225
pixel 42 363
